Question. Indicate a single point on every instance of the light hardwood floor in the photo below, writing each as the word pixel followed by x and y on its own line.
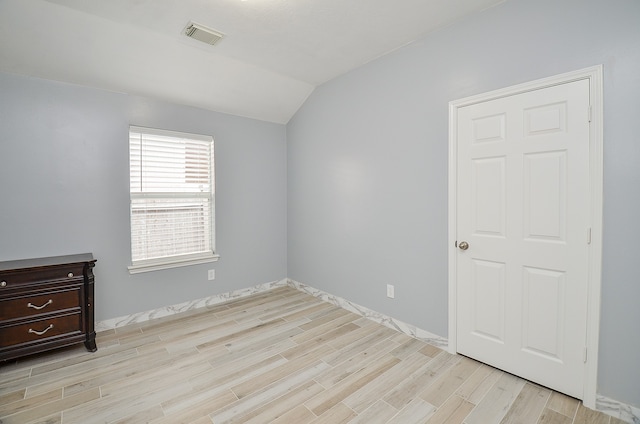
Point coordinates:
pixel 276 357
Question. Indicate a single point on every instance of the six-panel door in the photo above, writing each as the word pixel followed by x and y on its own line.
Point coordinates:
pixel 523 209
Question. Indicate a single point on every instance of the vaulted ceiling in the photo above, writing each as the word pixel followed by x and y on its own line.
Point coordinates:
pixel 274 52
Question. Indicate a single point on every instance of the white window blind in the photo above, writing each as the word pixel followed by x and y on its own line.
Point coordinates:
pixel 172 198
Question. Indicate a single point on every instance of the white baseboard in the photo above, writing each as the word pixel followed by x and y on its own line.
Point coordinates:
pixel 140 317
pixel 622 411
pixel 385 320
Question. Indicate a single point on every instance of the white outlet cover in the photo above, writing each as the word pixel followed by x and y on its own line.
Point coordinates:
pixel 211 274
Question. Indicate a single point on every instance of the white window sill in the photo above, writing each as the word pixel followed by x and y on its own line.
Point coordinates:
pixel 175 262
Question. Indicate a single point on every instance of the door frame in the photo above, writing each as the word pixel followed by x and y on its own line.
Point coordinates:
pixel 596 138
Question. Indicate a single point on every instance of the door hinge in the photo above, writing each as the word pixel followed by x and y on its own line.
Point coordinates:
pixel 584 357
pixel 590 112
pixel 589 235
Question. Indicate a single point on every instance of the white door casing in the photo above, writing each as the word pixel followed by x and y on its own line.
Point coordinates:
pixel 525 296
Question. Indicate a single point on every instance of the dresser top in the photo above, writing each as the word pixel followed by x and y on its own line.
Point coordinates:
pixel 43 262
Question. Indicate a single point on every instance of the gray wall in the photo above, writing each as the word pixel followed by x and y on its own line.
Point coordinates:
pixel 367 163
pixel 64 189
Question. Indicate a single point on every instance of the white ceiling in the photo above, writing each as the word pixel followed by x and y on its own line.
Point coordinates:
pixel 275 52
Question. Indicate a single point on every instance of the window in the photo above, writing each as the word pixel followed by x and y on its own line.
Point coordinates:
pixel 172 199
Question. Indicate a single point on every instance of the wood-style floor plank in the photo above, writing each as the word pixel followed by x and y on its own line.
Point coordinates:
pixel 331 396
pixel 275 357
pixel 449 382
pixel 339 414
pixel 453 411
pixel 299 415
pixel 563 404
pixel 415 412
pixel 528 406
pixel 254 401
pixel 478 384
pixel 550 416
pixel 409 389
pixel 494 406
pixel 588 416
pixel 369 395
pixel 275 409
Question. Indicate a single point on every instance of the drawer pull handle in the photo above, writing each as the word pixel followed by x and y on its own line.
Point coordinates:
pixel 31 305
pixel 40 333
pixel 70 275
pixel 3 284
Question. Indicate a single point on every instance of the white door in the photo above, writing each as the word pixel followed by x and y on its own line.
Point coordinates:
pixel 523 216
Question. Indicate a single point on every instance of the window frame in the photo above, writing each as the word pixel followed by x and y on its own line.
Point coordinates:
pixel 179 260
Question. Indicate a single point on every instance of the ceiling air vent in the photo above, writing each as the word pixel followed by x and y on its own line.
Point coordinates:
pixel 202 33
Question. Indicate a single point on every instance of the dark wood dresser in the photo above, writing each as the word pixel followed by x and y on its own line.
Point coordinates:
pixel 46 303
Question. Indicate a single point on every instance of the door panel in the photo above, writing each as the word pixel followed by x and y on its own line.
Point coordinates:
pixel 488 297
pixel 543 312
pixel 489 202
pixel 545 196
pixel 523 208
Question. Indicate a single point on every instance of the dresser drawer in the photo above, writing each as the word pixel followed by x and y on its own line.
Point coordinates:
pixel 18 278
pixel 28 305
pixel 38 330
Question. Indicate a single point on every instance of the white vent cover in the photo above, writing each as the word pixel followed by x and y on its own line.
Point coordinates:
pixel 202 33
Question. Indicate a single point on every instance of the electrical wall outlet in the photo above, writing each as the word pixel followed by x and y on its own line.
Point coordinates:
pixel 391 291
pixel 211 274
